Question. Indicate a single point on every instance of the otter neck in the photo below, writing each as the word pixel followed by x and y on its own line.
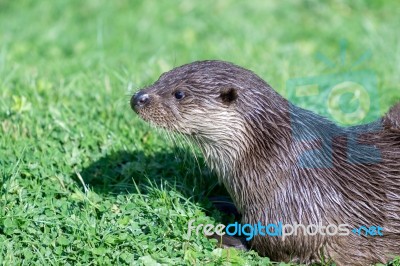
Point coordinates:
pixel 265 158
pixel 246 158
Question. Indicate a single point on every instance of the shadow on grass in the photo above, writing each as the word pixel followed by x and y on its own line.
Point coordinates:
pixel 123 172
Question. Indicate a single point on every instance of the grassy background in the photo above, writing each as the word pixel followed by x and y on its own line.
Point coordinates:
pixel 67 70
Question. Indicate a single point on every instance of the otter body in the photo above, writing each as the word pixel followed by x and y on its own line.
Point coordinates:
pixel 284 164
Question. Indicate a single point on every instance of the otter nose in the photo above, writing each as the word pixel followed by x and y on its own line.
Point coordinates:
pixel 140 99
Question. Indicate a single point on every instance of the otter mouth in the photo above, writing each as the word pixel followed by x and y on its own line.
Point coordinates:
pixel 139 100
pixel 146 107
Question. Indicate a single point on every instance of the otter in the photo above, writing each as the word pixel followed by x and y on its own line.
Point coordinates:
pixel 284 164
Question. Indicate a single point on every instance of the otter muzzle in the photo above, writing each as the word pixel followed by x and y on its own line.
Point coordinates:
pixel 139 100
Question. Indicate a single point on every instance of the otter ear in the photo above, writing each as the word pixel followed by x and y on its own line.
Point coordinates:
pixel 228 95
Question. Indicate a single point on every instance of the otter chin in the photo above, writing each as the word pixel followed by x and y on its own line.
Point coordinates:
pixel 284 164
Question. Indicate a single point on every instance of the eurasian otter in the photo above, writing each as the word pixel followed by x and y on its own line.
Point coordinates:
pixel 281 163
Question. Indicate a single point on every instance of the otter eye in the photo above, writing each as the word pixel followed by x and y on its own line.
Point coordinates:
pixel 179 95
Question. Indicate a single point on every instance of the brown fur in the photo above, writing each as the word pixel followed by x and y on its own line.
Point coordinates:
pixel 281 163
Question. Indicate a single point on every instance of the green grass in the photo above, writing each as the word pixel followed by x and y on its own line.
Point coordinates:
pixel 82 179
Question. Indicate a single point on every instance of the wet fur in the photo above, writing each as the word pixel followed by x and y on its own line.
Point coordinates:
pixel 281 163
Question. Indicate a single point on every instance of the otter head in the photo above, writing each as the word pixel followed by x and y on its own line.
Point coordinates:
pixel 200 99
pixel 215 103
